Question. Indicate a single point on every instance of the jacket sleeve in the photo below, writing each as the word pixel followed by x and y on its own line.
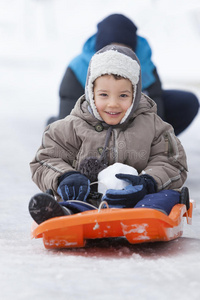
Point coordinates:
pixel 167 162
pixel 154 91
pixel 55 155
pixel 69 92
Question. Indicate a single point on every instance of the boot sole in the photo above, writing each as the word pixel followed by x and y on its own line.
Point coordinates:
pixel 43 207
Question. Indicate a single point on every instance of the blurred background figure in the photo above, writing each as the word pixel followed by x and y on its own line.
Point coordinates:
pixel 176 107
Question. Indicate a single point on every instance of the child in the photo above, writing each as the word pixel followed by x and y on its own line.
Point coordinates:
pixel 113 122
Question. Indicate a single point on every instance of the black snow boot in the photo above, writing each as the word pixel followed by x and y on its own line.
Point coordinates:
pixel 43 206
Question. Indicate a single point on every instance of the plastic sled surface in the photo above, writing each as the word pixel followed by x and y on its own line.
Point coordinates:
pixel 137 225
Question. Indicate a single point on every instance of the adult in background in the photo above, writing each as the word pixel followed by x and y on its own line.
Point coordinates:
pixel 176 107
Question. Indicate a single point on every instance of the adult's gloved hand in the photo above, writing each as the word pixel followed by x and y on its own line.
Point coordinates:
pixel 129 196
pixel 73 186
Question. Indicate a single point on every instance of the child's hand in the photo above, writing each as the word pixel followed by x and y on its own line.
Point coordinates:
pixel 147 181
pixel 74 186
pixel 129 196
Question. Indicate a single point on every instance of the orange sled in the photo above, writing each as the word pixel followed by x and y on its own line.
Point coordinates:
pixel 138 225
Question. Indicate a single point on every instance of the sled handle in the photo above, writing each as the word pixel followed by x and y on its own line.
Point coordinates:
pixel 102 204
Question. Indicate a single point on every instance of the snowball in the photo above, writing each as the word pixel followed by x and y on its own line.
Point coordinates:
pixel 107 179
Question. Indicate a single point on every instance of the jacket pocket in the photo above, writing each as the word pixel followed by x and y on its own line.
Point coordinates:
pixel 175 150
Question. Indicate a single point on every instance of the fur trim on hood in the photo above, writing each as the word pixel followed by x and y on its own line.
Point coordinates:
pixel 116 60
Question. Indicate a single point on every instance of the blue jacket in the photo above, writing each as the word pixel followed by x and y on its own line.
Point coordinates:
pixel 79 64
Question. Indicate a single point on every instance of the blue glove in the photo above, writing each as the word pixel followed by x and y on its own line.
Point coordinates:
pixel 131 194
pixel 147 181
pixel 73 186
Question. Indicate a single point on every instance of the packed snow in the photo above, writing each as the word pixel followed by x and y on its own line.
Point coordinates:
pixel 107 179
pixel 38 39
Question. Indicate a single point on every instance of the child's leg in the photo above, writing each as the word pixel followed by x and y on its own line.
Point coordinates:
pixel 163 200
pixel 76 206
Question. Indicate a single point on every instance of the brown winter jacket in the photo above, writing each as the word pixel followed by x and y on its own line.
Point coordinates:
pixel 146 143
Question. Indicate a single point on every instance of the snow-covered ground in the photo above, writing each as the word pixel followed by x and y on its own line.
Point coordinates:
pixel 38 38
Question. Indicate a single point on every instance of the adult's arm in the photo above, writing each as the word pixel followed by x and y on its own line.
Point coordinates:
pixel 154 91
pixel 69 92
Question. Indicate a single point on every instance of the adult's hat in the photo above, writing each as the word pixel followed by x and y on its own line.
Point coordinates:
pixel 116 28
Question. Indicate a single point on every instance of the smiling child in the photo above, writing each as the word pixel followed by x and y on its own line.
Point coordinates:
pixel 113 122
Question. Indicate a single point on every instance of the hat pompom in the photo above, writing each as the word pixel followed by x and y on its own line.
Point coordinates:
pixel 91 167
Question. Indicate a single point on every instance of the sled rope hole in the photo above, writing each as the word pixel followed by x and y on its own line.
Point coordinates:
pixel 102 204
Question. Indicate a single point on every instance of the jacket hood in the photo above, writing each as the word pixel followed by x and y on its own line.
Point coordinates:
pixel 116 60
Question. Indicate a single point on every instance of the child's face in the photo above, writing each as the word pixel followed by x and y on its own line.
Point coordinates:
pixel 112 98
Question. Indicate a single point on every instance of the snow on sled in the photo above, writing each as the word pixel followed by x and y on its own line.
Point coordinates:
pixel 137 225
